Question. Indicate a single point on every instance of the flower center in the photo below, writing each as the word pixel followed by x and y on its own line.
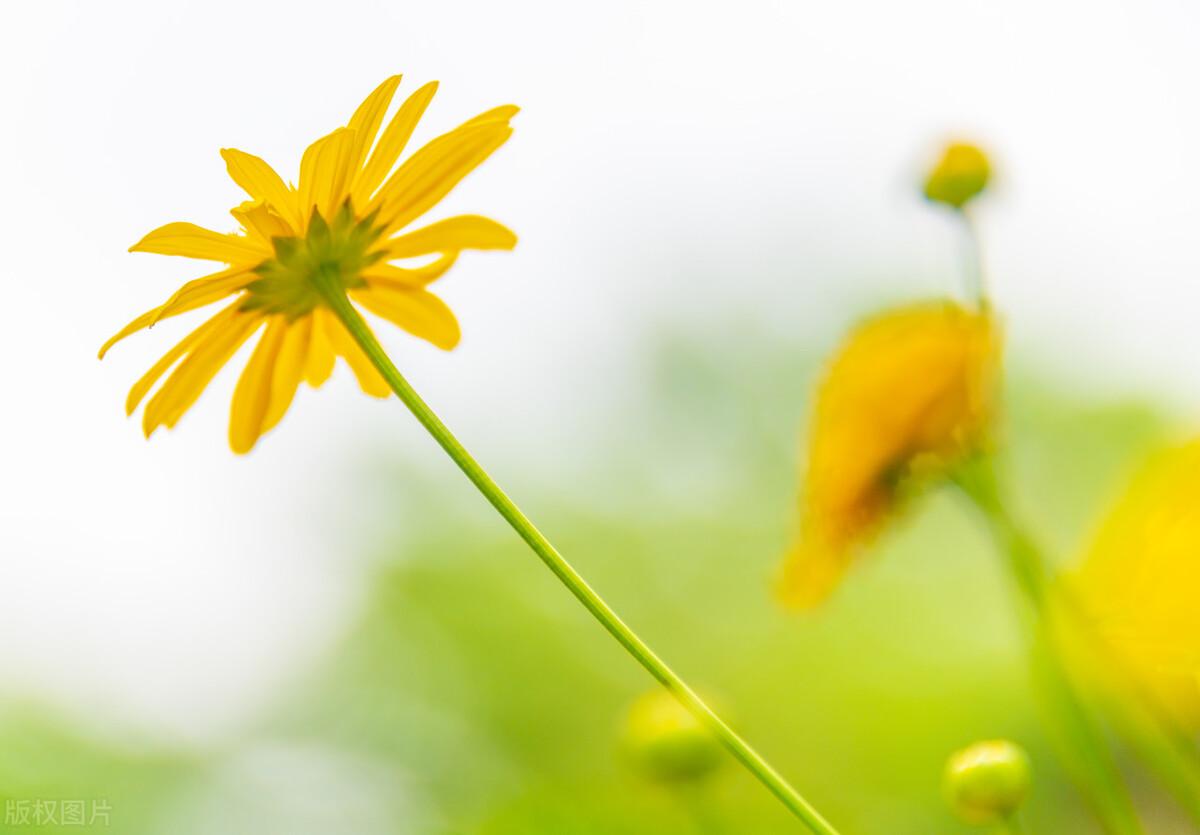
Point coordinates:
pixel 331 255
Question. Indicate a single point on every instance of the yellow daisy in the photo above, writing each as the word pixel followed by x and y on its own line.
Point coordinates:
pixel 1140 581
pixel 909 393
pixel 344 223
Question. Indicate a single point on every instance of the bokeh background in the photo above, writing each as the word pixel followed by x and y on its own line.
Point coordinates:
pixel 335 634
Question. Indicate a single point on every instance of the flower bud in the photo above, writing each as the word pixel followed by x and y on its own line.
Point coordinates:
pixel 961 173
pixel 987 781
pixel 666 742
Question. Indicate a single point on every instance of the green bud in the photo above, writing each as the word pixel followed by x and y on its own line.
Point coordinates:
pixel 961 173
pixel 666 742
pixel 987 781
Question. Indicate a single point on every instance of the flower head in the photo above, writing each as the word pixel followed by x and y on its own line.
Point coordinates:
pixel 987 781
pixel 961 174
pixel 343 225
pixel 906 397
pixel 1138 582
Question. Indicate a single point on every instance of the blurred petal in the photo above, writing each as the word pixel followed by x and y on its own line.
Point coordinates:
pixel 189 380
pixel 324 170
pixel 451 235
pixel 906 396
pixel 192 241
pixel 1140 581
pixel 365 121
pixel 432 172
pixel 252 395
pixel 503 113
pixel 391 144
pixel 417 311
pixel 289 370
pixel 259 218
pixel 259 180
pixel 318 365
pixel 344 345
pixel 194 294
pixel 388 275
pixel 142 386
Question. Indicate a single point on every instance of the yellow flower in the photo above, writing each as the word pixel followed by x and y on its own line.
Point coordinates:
pixel 907 396
pixel 1140 581
pixel 961 174
pixel 344 223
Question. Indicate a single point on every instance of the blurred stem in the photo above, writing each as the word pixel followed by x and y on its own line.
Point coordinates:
pixel 1159 744
pixel 973 271
pixel 1011 826
pixel 696 800
pixel 333 293
pixel 1088 752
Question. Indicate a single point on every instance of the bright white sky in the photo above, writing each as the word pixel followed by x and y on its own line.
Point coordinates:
pixel 750 157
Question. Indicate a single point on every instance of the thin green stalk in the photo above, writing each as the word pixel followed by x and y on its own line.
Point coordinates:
pixel 976 277
pixel 336 298
pixel 696 800
pixel 1163 748
pixel 1091 758
pixel 1011 826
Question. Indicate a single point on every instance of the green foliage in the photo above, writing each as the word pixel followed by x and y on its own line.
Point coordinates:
pixel 497 705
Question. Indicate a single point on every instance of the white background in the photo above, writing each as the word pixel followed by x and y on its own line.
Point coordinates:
pixel 673 160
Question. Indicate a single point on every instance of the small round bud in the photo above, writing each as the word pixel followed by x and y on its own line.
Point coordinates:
pixel 961 173
pixel 987 781
pixel 666 742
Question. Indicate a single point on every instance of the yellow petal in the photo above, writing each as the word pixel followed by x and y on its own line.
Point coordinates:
pixel 811 572
pixel 289 370
pixel 200 292
pixel 417 311
pixel 259 219
pixel 1140 578
pixel 907 395
pixel 432 172
pixel 503 113
pixel 259 180
pixel 189 380
pixel 252 395
pixel 368 378
pixel 391 144
pixel 366 120
pixel 194 294
pixel 324 170
pixel 407 278
pixel 192 241
pixel 318 365
pixel 142 386
pixel 451 235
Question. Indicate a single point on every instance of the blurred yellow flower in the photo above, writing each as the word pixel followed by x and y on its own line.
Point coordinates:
pixel 1140 581
pixel 962 173
pixel 909 394
pixel 667 742
pixel 342 224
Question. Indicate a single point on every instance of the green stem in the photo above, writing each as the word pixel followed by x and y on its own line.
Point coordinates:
pixel 1140 718
pixel 1092 760
pixel 1011 826
pixel 336 298
pixel 1163 748
pixel 973 259
pixel 696 799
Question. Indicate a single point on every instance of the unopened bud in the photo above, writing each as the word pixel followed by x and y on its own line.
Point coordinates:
pixel 667 742
pixel 961 173
pixel 987 781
